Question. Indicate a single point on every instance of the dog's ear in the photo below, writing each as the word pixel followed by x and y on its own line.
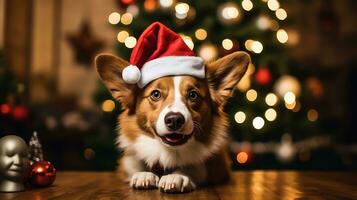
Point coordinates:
pixel 110 69
pixel 224 74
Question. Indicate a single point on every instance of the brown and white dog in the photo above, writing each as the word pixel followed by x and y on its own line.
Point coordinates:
pixel 174 131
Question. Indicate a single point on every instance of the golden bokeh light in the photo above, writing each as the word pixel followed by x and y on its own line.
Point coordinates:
pixel 290 106
pixel 312 115
pixel 282 36
pixel 273 5
pixel 240 117
pixel 257 47
pixel 182 8
pixel 122 35
pixel 289 97
pixel 208 52
pixel 227 44
pixel 188 41
pixel 248 44
pixel 201 34
pixel 230 12
pixel 108 105
pixel 297 107
pixel 251 95
pixel 247 5
pixel 130 42
pixel 166 3
pixel 270 114
pixel 258 123
pixel 271 99
pixel 281 14
pixel 114 18
pixel 242 157
pixel 127 18
pixel 263 22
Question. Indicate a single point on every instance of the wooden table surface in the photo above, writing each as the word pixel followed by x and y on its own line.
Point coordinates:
pixel 244 185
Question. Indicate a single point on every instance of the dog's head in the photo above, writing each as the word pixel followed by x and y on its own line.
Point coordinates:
pixel 173 109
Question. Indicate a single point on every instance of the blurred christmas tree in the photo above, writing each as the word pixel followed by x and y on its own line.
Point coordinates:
pixel 272 106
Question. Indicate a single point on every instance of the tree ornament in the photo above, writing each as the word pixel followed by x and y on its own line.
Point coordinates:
pixel 287 83
pixel 13 163
pixel 35 149
pixel 263 76
pixel 229 13
pixel 42 174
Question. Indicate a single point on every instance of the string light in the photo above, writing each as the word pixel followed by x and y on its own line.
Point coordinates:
pixel 166 3
pixel 312 115
pixel 281 14
pixel 130 42
pixel 187 40
pixel 271 99
pixel 273 5
pixel 270 114
pixel 263 22
pixel 289 98
pixel 242 157
pixel 282 36
pixel 240 117
pixel 208 52
pixel 230 12
pixel 114 18
pixel 127 18
pixel 108 105
pixel 257 47
pixel 247 5
pixel 258 123
pixel 133 10
pixel 181 10
pixel 248 44
pixel 290 106
pixel 227 44
pixel 251 95
pixel 150 5
pixel 122 35
pixel 201 34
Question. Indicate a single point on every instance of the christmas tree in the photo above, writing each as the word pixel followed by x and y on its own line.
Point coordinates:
pixel 271 112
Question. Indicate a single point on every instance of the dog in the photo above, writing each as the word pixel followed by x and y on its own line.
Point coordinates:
pixel 174 130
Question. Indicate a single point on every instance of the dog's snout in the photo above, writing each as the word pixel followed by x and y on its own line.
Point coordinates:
pixel 174 121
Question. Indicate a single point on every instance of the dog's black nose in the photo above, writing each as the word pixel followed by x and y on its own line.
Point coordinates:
pixel 174 121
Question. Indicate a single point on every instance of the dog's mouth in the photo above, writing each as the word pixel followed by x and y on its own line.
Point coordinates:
pixel 175 139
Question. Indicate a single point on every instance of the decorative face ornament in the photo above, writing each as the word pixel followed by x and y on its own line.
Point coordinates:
pixel 13 163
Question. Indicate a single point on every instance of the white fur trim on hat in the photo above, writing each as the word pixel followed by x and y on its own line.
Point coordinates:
pixel 131 74
pixel 170 66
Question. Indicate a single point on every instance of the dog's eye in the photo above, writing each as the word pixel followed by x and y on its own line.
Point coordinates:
pixel 155 95
pixel 193 95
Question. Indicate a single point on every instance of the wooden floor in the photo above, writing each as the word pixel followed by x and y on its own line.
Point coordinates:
pixel 244 185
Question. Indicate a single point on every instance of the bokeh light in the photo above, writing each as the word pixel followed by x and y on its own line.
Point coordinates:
pixel 247 5
pixel 108 105
pixel 127 18
pixel 240 117
pixel 257 47
pixel 122 35
pixel 227 44
pixel 130 42
pixel 289 98
pixel 258 122
pixel 114 18
pixel 251 95
pixel 282 36
pixel 201 34
pixel 312 115
pixel 281 14
pixel 273 5
pixel 270 114
pixel 271 99
pixel 242 157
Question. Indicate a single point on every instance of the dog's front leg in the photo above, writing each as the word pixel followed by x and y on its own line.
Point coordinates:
pixel 138 177
pixel 184 179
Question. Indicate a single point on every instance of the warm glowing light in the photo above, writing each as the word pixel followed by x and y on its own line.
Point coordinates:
pixel 273 5
pixel 290 106
pixel 271 99
pixel 248 44
pixel 114 18
pixel 251 95
pixel 297 107
pixel 108 105
pixel 208 52
pixel 130 42
pixel 166 3
pixel 150 5
pixel 294 37
pixel 263 22
pixel 133 10
pixel 289 98
pixel 247 5
pixel 201 34
pixel 182 8
pixel 5 108
pixel 274 25
pixel 227 44
pixel 88 153
pixel 257 47
pixel 127 18
pixel 281 14
pixel 282 36
pixel 258 122
pixel 312 115
pixel 188 41
pixel 230 12
pixel 122 35
pixel 287 83
pixel 240 117
pixel 242 157
pixel 270 114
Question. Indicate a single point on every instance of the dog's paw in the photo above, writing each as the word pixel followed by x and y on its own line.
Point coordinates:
pixel 144 180
pixel 174 183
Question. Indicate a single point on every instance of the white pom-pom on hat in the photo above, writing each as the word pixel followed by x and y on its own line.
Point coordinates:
pixel 131 74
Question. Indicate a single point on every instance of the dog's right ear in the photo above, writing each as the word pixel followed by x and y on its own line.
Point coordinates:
pixel 110 69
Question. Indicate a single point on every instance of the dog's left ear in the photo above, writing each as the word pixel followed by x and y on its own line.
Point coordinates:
pixel 224 74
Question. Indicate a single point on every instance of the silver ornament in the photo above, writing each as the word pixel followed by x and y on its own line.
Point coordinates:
pixel 13 163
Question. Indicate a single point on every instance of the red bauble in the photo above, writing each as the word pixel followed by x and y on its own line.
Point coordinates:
pixel 263 76
pixel 20 112
pixel 42 174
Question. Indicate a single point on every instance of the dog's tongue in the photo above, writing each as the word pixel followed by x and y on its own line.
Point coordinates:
pixel 174 137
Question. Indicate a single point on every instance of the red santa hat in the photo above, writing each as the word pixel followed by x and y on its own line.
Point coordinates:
pixel 161 52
